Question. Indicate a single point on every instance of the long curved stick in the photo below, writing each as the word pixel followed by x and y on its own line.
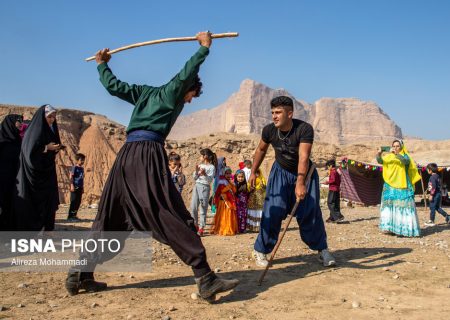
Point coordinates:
pixel 147 43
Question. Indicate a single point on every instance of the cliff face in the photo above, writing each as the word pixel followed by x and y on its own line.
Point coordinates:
pixel 339 121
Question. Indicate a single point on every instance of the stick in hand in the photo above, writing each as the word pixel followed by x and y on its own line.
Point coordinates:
pixel 286 226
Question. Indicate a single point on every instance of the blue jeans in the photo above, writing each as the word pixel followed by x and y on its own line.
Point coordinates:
pixel 435 205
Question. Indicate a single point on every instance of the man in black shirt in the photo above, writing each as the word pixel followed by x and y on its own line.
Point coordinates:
pixel 292 140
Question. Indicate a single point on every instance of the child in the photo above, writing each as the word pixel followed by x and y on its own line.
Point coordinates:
pixel 247 169
pixel 256 202
pixel 225 220
pixel 76 187
pixel 241 199
pixel 203 176
pixel 434 187
pixel 176 171
pixel 334 196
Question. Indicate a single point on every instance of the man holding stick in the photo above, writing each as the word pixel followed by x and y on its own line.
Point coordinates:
pixel 139 193
pixel 292 140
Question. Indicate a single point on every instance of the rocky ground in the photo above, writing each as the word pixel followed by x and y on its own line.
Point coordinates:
pixel 377 276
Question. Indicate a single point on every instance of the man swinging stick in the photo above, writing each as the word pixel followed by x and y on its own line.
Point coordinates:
pixel 139 193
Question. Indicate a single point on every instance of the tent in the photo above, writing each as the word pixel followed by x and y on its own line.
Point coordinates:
pixel 363 182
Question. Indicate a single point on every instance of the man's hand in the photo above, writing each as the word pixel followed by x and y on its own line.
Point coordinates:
pixel 72 188
pixel 204 38
pixel 252 180
pixel 102 56
pixel 300 190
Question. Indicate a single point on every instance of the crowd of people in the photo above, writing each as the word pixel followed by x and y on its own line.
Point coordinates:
pixel 144 187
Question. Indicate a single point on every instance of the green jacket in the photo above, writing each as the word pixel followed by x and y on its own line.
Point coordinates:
pixel 155 108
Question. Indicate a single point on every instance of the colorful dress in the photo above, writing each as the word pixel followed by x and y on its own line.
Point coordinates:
pixel 256 203
pixel 398 210
pixel 242 194
pixel 225 220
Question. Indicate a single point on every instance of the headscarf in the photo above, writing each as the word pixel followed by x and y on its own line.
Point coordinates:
pixel 37 136
pixel 394 172
pixel 223 182
pixel 49 110
pixel 260 182
pixel 8 130
pixel 219 172
pixel 240 186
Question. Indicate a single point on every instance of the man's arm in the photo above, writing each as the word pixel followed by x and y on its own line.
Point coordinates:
pixel 183 80
pixel 304 152
pixel 258 158
pixel 114 86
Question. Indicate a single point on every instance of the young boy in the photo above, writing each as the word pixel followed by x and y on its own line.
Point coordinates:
pixel 334 195
pixel 76 187
pixel 434 187
pixel 176 170
pixel 247 169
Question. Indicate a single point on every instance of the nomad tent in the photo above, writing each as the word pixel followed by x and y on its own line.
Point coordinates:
pixel 363 182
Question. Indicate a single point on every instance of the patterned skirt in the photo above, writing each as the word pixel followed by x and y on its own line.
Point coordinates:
pixel 398 211
pixel 255 209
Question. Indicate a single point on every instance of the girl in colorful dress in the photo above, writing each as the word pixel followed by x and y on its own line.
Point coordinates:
pixel 225 220
pixel 241 199
pixel 256 202
pixel 398 213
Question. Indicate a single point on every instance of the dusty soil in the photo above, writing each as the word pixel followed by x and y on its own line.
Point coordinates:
pixel 377 276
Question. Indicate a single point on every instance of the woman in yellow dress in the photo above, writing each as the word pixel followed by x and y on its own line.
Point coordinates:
pixel 225 220
pixel 256 202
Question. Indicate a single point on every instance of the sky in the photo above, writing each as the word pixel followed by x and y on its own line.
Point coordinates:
pixel 395 53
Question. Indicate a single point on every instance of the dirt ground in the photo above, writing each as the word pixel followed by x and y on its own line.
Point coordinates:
pixel 378 276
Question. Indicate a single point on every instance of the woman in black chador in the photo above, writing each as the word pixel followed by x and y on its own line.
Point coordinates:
pixel 9 165
pixel 37 196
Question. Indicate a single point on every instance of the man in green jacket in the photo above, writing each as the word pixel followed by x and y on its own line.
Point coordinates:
pixel 139 193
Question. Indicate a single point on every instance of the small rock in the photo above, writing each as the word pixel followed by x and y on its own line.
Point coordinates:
pixel 22 285
pixel 356 304
pixel 194 296
pixel 390 307
pixel 386 269
pixel 232 317
pixel 20 305
pixel 343 300
pixel 434 268
pixel 380 298
pixel 131 277
pixel 94 305
pixel 121 275
pixel 130 316
pixel 396 276
pixel 234 256
pixel 216 270
pixel 217 253
pixel 2 308
pixel 246 267
pixel 52 305
pixel 172 308
pixel 166 318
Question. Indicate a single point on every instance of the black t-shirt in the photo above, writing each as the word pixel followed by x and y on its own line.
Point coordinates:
pixel 286 143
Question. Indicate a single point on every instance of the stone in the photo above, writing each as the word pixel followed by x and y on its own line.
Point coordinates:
pixel 356 304
pixel 217 270
pixel 166 318
pixel 172 308
pixel 20 305
pixel 194 296
pixel 396 276
pixel 94 305
pixel 22 285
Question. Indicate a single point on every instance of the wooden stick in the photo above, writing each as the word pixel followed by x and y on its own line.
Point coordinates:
pixel 147 43
pixel 286 226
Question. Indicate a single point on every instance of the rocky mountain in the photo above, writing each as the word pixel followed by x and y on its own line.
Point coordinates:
pixel 100 139
pixel 338 121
